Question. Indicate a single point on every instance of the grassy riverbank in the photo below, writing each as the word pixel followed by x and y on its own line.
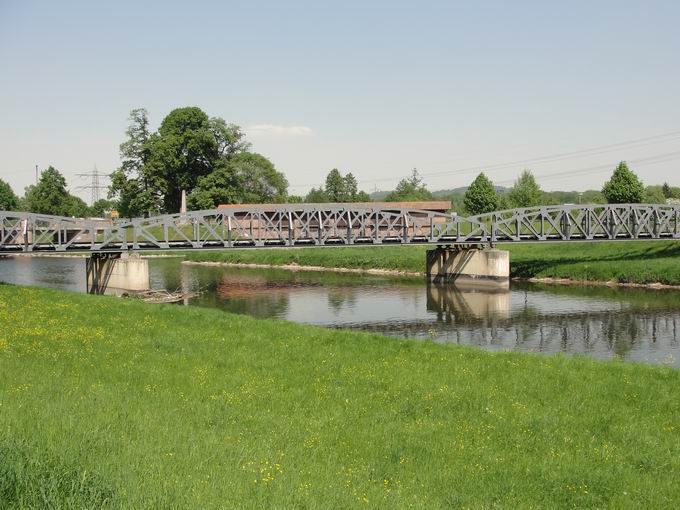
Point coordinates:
pixel 107 402
pixel 621 261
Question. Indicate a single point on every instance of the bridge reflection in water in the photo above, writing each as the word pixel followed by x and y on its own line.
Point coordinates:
pixel 456 303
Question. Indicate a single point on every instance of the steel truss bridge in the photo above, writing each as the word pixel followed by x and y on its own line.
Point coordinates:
pixel 335 225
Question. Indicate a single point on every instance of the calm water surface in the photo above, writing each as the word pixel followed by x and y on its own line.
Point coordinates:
pixel 633 324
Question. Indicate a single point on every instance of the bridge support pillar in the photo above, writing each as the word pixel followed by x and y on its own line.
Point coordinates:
pixel 116 273
pixel 469 267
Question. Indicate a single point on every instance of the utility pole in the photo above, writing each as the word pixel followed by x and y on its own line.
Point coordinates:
pixel 37 174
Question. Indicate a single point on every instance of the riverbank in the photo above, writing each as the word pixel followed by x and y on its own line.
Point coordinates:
pixel 297 267
pixel 113 403
pixel 649 263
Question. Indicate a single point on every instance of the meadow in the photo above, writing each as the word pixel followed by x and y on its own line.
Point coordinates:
pixel 113 403
pixel 642 262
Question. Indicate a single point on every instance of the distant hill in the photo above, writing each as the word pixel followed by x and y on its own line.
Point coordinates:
pixel 442 193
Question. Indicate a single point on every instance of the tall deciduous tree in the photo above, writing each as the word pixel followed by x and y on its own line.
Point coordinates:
pixel 624 187
pixel 410 189
pixel 526 192
pixel 50 196
pixel 8 199
pixel 188 146
pixel 481 196
pixel 184 150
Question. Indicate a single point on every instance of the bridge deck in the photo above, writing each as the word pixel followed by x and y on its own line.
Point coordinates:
pixel 335 225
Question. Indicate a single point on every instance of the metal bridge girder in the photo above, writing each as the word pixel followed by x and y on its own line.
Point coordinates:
pixel 337 224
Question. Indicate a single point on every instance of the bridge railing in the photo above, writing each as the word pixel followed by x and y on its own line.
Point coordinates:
pixel 336 224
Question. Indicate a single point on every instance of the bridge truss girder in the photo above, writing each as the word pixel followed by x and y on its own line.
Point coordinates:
pixel 336 225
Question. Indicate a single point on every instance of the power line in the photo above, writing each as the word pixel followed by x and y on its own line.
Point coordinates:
pixel 501 166
pixel 640 142
pixel 592 151
pixel 659 158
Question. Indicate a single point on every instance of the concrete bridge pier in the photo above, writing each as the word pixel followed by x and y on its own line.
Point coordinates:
pixel 116 273
pixel 469 266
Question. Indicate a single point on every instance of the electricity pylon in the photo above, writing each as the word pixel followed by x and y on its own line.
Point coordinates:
pixel 94 186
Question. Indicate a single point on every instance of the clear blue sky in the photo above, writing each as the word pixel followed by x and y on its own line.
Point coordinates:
pixel 375 88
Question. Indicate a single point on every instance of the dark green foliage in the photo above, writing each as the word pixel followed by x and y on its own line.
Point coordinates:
pixel 78 208
pixel 526 192
pixel 670 191
pixel 259 181
pixel 667 191
pixel 8 200
pixel 135 192
pixel 481 197
pixel 624 187
pixel 362 196
pixel 246 178
pixel 101 207
pixel 410 189
pixel 316 196
pixel 220 187
pixel 50 196
pixel 351 186
pixel 184 150
pixel 335 186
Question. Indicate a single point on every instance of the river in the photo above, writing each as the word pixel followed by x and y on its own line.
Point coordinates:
pixel 630 324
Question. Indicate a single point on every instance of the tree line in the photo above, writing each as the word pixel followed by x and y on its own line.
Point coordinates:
pixel 212 162
pixel 624 187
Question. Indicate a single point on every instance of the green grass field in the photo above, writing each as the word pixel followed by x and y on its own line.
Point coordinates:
pixel 115 403
pixel 621 261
